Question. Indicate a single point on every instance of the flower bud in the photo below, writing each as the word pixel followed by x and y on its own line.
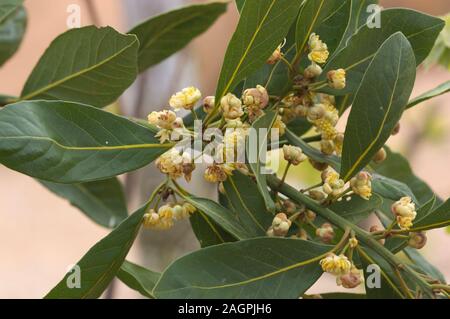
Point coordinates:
pixel 289 207
pixel 317 195
pixel 417 240
pixel 325 233
pixel 281 225
pixel 312 71
pixel 208 104
pixel 380 156
pixel 318 166
pixel 294 155
pixel 327 147
pixel 351 280
pixel 375 229
pixel 256 98
pixel 316 112
pixel 231 107
pixel 186 99
pixel 276 56
pixel 336 79
pixel 396 129
pixel 353 242
pixel 309 216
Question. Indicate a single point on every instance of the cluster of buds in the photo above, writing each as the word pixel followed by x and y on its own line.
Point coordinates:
pixel 332 184
pixel 167 122
pixel 325 233
pixel 185 99
pixel 361 185
pixel 176 165
pixel 293 155
pixel 405 212
pixel 347 274
pixel 280 226
pixel 318 50
pixel 166 216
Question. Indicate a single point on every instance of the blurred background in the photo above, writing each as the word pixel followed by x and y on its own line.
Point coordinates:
pixel 41 234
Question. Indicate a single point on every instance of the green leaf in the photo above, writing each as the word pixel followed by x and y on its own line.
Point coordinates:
pixel 221 215
pixel 423 264
pixel 240 4
pixel 208 232
pixel 257 167
pixel 420 29
pixel 356 209
pixel 438 91
pixel 248 204
pixel 312 152
pixel 13 22
pixel 87 65
pixel 397 167
pixel 102 262
pixel 163 35
pixel 299 126
pixel 358 18
pixel 138 278
pixel 261 29
pixel 438 218
pixel 102 201
pixel 65 142
pixel 387 84
pixel 262 268
pixel 327 18
pixel 390 188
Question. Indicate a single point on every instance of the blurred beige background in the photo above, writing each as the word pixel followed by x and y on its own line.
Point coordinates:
pixel 41 234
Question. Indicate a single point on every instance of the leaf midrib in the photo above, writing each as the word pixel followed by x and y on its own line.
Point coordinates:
pixel 79 73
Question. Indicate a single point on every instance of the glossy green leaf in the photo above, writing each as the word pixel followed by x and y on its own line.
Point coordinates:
pixel 87 65
pixel 379 103
pixel 359 16
pixel 420 29
pixel 397 167
pixel 390 188
pixel 208 232
pixel 312 152
pixel 101 263
pixel 221 215
pixel 256 156
pixel 437 218
pixel 266 268
pixel 438 91
pixel 102 201
pixel 163 35
pixel 327 18
pixel 248 204
pixel 240 4
pixel 262 27
pixel 138 278
pixel 356 209
pixel 66 142
pixel 13 22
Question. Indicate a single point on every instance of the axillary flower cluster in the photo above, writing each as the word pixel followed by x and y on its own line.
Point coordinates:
pixel 233 116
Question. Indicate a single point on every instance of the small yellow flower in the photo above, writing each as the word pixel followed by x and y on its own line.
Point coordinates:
pixel 336 265
pixel 294 155
pixel 256 98
pixel 405 223
pixel 163 120
pixel 353 242
pixel 218 173
pixel 361 185
pixel 319 50
pixel 279 124
pixel 319 56
pixel 231 107
pixel 151 219
pixel 186 99
pixel 404 208
pixel 333 185
pixel 176 165
pixel 336 79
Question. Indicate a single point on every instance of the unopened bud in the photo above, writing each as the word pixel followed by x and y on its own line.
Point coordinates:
pixel 417 240
pixel 289 207
pixel 351 280
pixel 380 156
pixel 316 112
pixel 317 165
pixel 327 147
pixel 312 71
pixel 325 233
pixel 256 98
pixel 294 155
pixel 281 225
pixel 208 104
pixel 317 195
pixel 336 79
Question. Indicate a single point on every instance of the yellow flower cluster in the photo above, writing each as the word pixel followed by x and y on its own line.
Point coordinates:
pixel 332 184
pixel 175 164
pixel 347 274
pixel 405 212
pixel 166 216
